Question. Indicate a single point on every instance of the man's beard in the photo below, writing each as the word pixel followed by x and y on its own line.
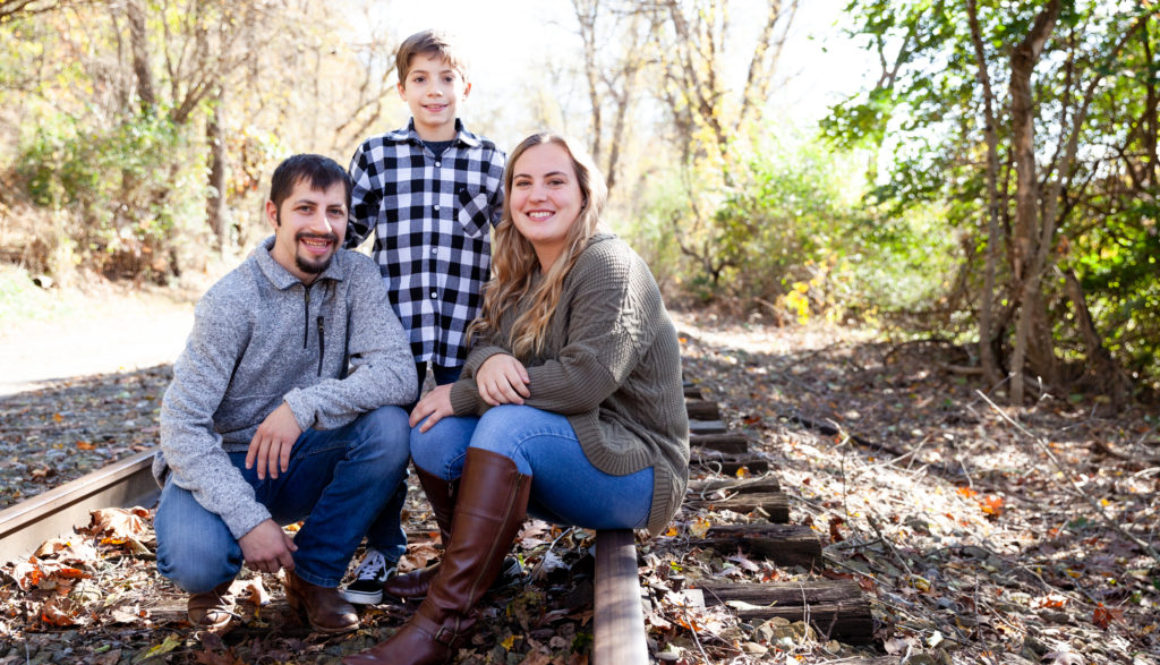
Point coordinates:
pixel 315 268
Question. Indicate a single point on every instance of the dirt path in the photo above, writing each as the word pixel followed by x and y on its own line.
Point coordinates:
pixel 121 333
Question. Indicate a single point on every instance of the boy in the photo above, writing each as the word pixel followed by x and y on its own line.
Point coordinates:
pixel 430 193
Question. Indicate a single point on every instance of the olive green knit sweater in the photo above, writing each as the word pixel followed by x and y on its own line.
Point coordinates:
pixel 612 364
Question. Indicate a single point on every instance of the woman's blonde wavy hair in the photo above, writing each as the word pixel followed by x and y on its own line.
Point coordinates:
pixel 514 261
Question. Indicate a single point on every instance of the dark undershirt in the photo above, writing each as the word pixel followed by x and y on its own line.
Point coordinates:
pixel 437 147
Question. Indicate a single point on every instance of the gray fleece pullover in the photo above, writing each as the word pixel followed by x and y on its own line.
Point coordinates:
pixel 261 337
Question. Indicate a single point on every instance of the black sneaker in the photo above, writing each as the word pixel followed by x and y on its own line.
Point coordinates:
pixel 367 587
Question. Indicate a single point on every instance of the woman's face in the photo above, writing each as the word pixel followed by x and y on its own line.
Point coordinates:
pixel 545 199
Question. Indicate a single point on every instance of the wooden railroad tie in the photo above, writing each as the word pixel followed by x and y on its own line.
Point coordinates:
pixel 835 609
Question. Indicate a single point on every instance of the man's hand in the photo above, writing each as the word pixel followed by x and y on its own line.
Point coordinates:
pixel 267 548
pixel 502 379
pixel 270 448
pixel 435 406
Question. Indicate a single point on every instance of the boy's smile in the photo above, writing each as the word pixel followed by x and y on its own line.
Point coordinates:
pixel 432 90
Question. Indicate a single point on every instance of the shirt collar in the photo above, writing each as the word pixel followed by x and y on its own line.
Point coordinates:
pixel 462 136
pixel 281 278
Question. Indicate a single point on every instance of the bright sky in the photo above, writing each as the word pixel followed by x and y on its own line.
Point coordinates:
pixel 507 46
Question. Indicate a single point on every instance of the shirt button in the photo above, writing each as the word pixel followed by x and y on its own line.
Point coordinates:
pixel 433 294
pixel 434 250
pixel 437 164
pixel 436 208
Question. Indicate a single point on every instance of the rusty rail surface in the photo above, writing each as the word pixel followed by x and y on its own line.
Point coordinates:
pixel 24 526
pixel 618 618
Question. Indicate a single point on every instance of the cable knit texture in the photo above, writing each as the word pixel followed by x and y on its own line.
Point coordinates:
pixel 261 337
pixel 612 364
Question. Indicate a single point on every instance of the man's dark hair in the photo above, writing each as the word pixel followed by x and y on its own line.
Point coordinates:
pixel 321 172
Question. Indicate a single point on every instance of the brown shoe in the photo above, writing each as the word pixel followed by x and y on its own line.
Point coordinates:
pixel 212 609
pixel 323 607
pixel 492 501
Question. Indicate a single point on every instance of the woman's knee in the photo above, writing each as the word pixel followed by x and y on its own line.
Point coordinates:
pixel 439 451
pixel 513 431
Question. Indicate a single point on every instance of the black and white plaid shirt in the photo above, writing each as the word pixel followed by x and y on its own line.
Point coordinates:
pixel 431 217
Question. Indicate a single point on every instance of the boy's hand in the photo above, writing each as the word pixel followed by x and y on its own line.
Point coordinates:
pixel 502 379
pixel 267 548
pixel 435 406
pixel 273 441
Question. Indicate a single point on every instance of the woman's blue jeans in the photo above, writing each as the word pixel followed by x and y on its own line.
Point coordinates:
pixel 566 487
pixel 338 481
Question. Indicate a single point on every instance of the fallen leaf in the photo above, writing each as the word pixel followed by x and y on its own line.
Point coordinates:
pixel 1104 616
pixel 171 642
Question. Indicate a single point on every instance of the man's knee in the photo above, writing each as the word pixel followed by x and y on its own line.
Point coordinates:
pixel 387 431
pixel 197 562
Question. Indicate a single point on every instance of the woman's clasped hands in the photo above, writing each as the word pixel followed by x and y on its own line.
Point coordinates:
pixel 501 379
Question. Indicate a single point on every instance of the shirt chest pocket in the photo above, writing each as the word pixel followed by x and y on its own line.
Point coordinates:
pixel 473 212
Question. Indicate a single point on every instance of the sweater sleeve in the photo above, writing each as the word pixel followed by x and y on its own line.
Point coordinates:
pixel 609 313
pixel 382 368
pixel 364 200
pixel 189 445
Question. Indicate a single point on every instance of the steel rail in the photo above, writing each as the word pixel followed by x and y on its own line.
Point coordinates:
pixel 24 526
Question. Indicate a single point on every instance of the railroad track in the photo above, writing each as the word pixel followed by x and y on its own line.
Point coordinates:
pixel 25 525
pixel 835 608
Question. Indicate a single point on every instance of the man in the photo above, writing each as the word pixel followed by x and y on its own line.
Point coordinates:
pixel 282 407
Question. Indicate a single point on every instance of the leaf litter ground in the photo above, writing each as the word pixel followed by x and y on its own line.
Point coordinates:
pixel 982 534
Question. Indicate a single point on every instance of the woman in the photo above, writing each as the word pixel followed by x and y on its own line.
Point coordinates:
pixel 569 406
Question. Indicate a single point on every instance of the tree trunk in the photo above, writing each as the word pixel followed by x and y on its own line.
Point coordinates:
pixel 990 133
pixel 1102 369
pixel 1032 312
pixel 215 205
pixel 135 14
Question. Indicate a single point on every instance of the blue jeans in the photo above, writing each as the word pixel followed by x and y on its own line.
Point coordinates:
pixel 338 481
pixel 566 487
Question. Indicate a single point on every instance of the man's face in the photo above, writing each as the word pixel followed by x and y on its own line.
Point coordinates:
pixel 308 229
pixel 433 89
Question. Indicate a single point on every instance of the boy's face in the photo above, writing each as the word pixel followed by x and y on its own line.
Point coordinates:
pixel 433 89
pixel 308 228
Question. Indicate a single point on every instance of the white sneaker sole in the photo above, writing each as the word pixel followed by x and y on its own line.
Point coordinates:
pixel 355 597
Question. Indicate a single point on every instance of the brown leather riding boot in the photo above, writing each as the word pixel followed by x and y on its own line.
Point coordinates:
pixel 441 495
pixel 492 501
pixel 323 607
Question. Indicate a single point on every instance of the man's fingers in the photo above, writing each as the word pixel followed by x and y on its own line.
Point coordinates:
pixel 252 452
pixel 272 453
pixel 285 560
pixel 284 458
pixel 259 451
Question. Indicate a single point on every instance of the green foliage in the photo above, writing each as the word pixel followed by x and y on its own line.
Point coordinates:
pixel 927 118
pixel 796 238
pixel 125 186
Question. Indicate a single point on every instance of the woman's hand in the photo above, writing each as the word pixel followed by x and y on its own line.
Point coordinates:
pixel 435 406
pixel 502 379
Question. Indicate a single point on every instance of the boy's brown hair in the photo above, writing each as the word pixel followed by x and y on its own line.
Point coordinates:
pixel 427 42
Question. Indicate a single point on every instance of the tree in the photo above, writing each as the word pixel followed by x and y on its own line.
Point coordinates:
pixel 709 117
pixel 1059 60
